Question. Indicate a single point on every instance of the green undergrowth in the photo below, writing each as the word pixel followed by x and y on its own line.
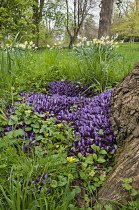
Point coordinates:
pixel 44 174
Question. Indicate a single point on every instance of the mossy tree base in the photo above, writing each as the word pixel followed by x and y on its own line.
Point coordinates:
pixel 125 122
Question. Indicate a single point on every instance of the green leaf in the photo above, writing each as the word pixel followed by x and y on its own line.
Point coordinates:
pixel 94 156
pixel 101 160
pixel 133 192
pixel 100 131
pixel 96 179
pixel 82 175
pixel 14 117
pixel 3 166
pixel 102 178
pixel 84 165
pixel 81 156
pixel 89 159
pixel 28 121
pixel 127 186
pixel 11 122
pixel 28 129
pixel 53 184
pixel 92 173
pixel 128 180
pixel 103 152
pixel 77 190
pixel 96 184
pixel 70 176
pixel 93 187
pixel 36 125
pixel 95 147
pixel 36 130
pixel 19 132
pixel 50 146
pixel 62 181
pixel 40 115
pixel 40 138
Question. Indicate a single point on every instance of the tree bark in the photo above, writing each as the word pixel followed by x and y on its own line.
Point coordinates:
pixel 125 121
pixel 105 18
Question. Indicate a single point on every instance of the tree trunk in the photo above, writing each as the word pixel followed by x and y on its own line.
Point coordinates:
pixel 105 18
pixel 72 41
pixel 125 121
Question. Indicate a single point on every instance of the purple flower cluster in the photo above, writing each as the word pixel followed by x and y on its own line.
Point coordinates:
pixel 74 89
pixel 90 118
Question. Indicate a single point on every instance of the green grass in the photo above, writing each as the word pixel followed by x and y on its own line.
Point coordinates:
pixel 28 70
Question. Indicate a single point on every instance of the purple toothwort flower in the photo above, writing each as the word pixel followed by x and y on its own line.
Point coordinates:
pixel 90 117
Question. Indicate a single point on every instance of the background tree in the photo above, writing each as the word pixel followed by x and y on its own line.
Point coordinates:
pixel 37 7
pixel 15 16
pixel 105 18
pixel 76 14
pixel 89 28
pixel 126 25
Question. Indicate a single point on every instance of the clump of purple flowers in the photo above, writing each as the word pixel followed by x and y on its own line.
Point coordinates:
pixel 90 116
pixel 74 89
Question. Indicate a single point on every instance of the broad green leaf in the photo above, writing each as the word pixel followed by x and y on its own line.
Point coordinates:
pixel 102 178
pixel 81 156
pixel 89 159
pixel 100 131
pixel 96 179
pixel 101 160
pixel 28 129
pixel 92 173
pixel 53 184
pixel 128 180
pixel 28 121
pixel 36 125
pixel 84 165
pixel 127 186
pixel 3 166
pixel 14 117
pixel 77 190
pixel 94 147
pixel 95 156
pixel 96 184
pixel 36 130
pixel 19 132
pixel 103 152
pixel 62 181
pixel 133 192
